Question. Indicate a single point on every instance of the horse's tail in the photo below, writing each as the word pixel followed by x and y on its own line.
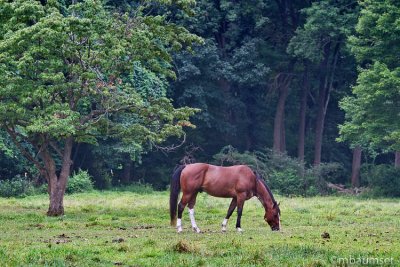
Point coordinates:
pixel 175 189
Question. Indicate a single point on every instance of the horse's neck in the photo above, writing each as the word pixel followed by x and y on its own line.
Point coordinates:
pixel 264 196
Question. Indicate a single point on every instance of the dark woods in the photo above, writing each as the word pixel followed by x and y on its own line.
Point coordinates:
pixel 268 77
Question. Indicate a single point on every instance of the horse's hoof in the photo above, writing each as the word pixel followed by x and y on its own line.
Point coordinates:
pixel 239 230
pixel 197 230
pixel 223 229
pixel 179 230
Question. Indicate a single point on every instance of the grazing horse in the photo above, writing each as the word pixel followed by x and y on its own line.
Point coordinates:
pixel 237 182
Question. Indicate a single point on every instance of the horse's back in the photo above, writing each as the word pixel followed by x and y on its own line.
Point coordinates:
pixel 217 180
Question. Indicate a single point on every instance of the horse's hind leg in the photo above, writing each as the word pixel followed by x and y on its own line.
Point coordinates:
pixel 192 202
pixel 231 208
pixel 181 206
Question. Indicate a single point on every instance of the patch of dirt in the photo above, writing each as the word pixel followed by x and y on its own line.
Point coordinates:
pixel 325 235
pixel 58 239
pixel 39 226
pixel 61 241
pixel 63 236
pixel 118 240
pixel 204 231
pixel 144 227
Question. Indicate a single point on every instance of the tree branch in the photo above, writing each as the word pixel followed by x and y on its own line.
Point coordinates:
pixel 167 149
pixel 101 112
pixel 56 148
pixel 26 154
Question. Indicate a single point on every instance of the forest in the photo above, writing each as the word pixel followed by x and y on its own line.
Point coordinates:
pixel 104 105
pixel 116 93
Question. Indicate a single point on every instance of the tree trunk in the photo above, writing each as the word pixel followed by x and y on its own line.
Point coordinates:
pixel 319 124
pixel 127 171
pixel 57 184
pixel 283 133
pixel 397 159
pixel 302 119
pixel 355 169
pixel 325 87
pixel 225 108
pixel 279 126
pixel 56 206
pixel 281 84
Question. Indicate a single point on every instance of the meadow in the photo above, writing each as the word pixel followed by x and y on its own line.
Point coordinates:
pixel 131 229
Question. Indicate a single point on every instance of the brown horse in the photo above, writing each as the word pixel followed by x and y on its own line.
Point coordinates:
pixel 237 182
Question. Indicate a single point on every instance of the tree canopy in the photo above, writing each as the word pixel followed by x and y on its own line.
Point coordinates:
pixel 68 71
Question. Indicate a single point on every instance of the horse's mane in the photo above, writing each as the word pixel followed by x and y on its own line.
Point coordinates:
pixel 259 177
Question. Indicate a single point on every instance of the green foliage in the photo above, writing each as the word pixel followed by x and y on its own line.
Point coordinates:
pixel 327 21
pixel 378 34
pixel 79 182
pixel 285 174
pixel 287 182
pixel 137 187
pixel 226 73
pixel 317 177
pixel 383 179
pixel 147 83
pixel 330 172
pixel 16 187
pixel 12 163
pixel 296 179
pixel 5 144
pixel 72 62
pixel 371 112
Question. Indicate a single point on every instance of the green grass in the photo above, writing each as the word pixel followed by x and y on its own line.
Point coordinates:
pixel 129 229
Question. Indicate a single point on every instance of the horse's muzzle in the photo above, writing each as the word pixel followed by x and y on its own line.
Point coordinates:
pixel 275 228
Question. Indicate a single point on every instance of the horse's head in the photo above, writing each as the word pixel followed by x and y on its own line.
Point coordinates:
pixel 272 217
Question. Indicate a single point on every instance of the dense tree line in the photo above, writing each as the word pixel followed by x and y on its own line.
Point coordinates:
pixel 265 74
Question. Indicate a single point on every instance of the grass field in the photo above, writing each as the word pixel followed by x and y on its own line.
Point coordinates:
pixel 129 229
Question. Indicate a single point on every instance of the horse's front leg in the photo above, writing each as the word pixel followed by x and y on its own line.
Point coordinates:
pixel 191 214
pixel 240 204
pixel 231 208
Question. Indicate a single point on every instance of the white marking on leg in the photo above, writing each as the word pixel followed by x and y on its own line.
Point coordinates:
pixel 239 230
pixel 193 221
pixel 179 225
pixel 224 223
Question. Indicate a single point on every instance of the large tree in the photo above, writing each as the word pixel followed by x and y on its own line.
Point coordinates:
pixel 320 43
pixel 66 74
pixel 372 113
